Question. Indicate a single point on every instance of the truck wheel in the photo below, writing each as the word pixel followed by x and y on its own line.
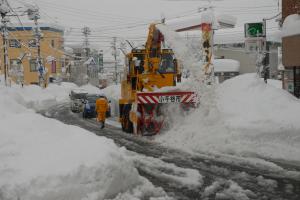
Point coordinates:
pixel 127 125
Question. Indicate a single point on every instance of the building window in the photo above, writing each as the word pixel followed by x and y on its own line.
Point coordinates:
pixel 32 43
pixel 15 43
pixel 33 65
pixel 52 43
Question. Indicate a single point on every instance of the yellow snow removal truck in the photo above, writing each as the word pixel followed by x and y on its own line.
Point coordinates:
pixel 147 70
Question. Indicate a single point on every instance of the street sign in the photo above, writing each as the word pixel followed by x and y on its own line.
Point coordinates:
pixel 255 30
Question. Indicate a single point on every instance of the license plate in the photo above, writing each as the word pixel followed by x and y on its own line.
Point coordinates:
pixel 170 99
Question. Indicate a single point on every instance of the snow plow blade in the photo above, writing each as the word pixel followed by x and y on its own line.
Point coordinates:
pixel 150 115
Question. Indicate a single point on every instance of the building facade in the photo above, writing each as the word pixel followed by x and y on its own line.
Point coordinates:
pixel 22 45
pixel 291 46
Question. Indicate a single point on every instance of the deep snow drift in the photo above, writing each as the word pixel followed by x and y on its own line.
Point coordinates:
pixel 243 116
pixel 41 158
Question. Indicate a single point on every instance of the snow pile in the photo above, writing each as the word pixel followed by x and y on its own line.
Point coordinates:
pixel 243 116
pixel 41 158
pixel 91 89
pixel 33 96
pixel 112 91
pixel 291 25
pixel 275 83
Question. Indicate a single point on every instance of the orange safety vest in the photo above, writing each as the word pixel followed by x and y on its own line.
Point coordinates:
pixel 101 108
pixel 101 105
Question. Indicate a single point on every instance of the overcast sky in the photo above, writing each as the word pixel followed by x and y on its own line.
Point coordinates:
pixel 129 19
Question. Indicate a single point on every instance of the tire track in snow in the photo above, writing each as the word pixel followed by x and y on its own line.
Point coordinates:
pixel 220 179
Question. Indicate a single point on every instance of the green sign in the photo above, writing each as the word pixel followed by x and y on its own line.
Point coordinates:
pixel 255 30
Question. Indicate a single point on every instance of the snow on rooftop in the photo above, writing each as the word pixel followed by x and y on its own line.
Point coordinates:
pixel 226 65
pixel 291 25
pixel 194 21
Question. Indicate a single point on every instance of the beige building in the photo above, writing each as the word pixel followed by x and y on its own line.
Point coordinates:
pixel 21 43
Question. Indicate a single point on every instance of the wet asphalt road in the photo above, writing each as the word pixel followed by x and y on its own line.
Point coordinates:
pixel 257 182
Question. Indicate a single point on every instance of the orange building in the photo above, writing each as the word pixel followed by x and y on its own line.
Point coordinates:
pixel 21 43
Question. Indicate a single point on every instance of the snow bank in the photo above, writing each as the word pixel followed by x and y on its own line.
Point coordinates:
pixel 33 96
pixel 243 116
pixel 112 91
pixel 291 25
pixel 41 158
pixel 91 89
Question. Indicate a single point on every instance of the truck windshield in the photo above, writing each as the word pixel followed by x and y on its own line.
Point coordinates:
pixel 167 64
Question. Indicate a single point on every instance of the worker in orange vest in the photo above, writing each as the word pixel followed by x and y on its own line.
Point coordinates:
pixel 101 108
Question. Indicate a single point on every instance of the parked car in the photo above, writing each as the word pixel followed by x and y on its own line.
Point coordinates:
pixel 90 104
pixel 77 97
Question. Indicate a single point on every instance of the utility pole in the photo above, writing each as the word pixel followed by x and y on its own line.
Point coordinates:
pixel 33 14
pixel 114 53
pixel 3 11
pixel 266 54
pixel 207 47
pixel 86 32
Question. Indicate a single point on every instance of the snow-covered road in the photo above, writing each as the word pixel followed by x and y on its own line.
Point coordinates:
pixel 202 176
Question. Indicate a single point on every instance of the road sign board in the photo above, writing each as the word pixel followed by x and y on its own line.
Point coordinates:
pixel 255 30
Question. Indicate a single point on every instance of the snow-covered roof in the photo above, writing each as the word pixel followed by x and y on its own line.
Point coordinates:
pixel 195 21
pixel 226 65
pixel 291 25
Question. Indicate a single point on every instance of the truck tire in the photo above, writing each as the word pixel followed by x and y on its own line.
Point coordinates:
pixel 127 125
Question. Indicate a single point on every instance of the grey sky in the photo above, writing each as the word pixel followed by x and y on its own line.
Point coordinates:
pixel 129 19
